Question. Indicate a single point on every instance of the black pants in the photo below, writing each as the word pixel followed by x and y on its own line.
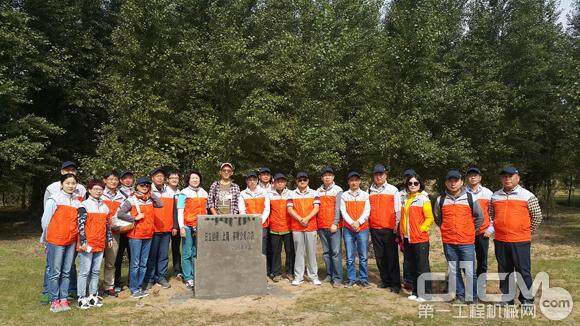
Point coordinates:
pixel 176 254
pixel 267 250
pixel 123 245
pixel 417 255
pixel 387 257
pixel 481 249
pixel 277 240
pixel 514 257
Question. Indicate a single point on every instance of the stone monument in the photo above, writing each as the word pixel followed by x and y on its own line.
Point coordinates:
pixel 229 256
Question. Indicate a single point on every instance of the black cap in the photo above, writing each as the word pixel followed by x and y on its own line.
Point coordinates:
pixel 264 170
pixel 379 168
pixel 123 174
pixel 473 169
pixel 326 169
pixel 143 180
pixel 68 164
pixel 509 170
pixel 409 172
pixel 453 174
pixel 352 174
pixel 157 170
pixel 279 176
pixel 251 174
pixel 301 174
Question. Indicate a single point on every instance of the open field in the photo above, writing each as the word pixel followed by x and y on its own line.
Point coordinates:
pixel 556 250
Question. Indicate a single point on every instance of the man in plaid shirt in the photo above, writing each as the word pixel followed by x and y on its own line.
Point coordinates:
pixel 224 194
pixel 516 214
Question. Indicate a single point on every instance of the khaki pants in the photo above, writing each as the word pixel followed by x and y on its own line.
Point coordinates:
pixel 110 256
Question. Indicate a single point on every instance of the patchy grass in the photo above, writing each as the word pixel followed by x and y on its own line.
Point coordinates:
pixel 555 250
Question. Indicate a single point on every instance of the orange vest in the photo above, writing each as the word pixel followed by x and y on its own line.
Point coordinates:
pixel 255 203
pixel 416 219
pixel 512 220
pixel 280 220
pixel 327 209
pixel 355 210
pixel 95 224
pixel 382 214
pixel 195 204
pixel 164 215
pixel 63 228
pixel 303 204
pixel 483 197
pixel 457 225
pixel 145 227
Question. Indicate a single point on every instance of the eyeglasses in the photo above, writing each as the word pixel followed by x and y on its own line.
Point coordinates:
pixel 302 180
pixel 413 183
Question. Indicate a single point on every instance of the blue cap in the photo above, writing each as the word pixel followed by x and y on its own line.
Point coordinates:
pixel 68 164
pixel 123 174
pixel 301 174
pixel 379 168
pixel 326 169
pixel 473 169
pixel 453 174
pixel 143 180
pixel 279 175
pixel 157 170
pixel 251 174
pixel 352 174
pixel 509 170
pixel 409 172
pixel 264 170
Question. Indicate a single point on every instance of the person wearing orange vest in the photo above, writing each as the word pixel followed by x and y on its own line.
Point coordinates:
pixel 139 209
pixel 303 206
pixel 113 198
pixel 329 226
pixel 459 215
pixel 255 200
pixel 383 220
pixel 158 261
pixel 126 179
pixel 355 209
pixel 416 220
pixel 94 237
pixel 482 195
pixel 80 194
pixel 192 201
pixel 59 235
pixel 280 230
pixel 516 215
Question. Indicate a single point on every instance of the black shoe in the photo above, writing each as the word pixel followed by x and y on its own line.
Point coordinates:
pixel 395 290
pixel 382 285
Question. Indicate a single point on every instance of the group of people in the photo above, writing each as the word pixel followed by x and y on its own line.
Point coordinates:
pixel 142 217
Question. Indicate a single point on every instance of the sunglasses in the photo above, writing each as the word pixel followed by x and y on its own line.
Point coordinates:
pixel 302 180
pixel 413 183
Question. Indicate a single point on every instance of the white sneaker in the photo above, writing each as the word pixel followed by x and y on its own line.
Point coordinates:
pixel 84 303
pixel 95 301
pixel 420 300
pixel 316 282
pixel 412 297
pixel 297 282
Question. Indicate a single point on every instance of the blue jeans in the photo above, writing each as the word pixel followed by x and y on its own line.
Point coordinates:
pixel 89 271
pixel 72 287
pixel 454 255
pixel 189 253
pixel 138 265
pixel 332 254
pixel 60 260
pixel 158 261
pixel 356 242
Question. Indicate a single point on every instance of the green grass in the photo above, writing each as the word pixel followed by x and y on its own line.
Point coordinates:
pixel 556 250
